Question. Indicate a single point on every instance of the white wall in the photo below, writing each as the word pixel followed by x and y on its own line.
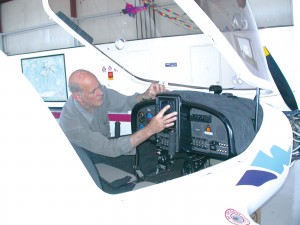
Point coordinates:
pixel 272 13
pixel 279 41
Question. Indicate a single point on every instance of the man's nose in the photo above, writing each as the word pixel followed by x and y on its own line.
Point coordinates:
pixel 99 92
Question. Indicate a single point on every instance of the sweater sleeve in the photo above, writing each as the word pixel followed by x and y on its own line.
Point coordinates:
pixel 99 144
pixel 118 102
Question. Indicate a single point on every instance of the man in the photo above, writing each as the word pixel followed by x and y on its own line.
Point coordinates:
pixel 84 117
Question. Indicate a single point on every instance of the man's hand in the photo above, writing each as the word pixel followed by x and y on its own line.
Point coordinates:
pixel 153 90
pixel 161 121
pixel 157 124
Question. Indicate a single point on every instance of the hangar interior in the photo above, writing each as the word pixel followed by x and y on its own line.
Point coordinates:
pixel 26 28
pixel 25 31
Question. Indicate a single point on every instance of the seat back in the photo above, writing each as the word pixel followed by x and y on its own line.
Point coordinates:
pixel 108 178
pixel 89 165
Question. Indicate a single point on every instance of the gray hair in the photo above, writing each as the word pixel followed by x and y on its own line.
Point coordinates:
pixel 74 87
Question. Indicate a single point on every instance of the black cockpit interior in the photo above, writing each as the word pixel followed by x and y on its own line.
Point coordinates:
pixel 209 126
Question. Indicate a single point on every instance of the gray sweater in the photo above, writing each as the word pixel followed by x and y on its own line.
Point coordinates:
pixel 91 131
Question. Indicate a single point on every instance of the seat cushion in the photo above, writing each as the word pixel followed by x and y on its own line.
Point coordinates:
pixel 119 179
pixel 112 174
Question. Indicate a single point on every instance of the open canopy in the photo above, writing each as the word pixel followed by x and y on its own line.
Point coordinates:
pixel 219 37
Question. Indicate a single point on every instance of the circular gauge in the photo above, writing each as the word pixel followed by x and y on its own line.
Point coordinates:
pixel 141 117
pixel 141 126
pixel 149 117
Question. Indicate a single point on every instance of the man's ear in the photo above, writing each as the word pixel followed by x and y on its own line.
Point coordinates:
pixel 77 96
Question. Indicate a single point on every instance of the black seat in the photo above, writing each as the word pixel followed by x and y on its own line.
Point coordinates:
pixel 107 177
pixel 89 165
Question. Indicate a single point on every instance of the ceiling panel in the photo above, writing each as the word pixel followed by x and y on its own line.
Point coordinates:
pixel 272 13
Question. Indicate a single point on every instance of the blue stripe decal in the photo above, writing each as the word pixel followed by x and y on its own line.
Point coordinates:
pixel 275 163
pixel 256 178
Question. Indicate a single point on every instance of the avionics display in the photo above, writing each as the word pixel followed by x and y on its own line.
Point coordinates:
pixel 173 101
pixel 164 102
pixel 168 139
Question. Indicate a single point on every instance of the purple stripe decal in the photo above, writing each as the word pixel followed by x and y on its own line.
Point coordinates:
pixel 119 117
pixel 56 115
pixel 256 178
pixel 111 117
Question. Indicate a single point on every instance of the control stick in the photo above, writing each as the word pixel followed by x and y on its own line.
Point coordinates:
pixel 172 143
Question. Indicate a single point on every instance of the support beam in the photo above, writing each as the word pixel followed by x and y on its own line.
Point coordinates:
pixel 3 1
pixel 73 8
pixel 1 30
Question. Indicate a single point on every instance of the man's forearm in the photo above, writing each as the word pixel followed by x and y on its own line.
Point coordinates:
pixel 140 136
pixel 141 97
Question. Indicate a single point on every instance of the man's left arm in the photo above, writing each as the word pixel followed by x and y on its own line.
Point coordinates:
pixel 122 103
pixel 151 92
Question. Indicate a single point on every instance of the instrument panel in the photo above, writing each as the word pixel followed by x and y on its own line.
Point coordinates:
pixel 197 130
pixel 208 126
pixel 144 116
pixel 209 135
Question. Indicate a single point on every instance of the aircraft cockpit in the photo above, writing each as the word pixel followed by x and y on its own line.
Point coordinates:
pixel 209 127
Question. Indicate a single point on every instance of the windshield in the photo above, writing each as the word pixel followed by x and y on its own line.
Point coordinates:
pixel 193 43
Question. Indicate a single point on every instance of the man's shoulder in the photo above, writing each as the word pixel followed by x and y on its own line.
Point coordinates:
pixel 70 116
pixel 69 103
pixel 69 108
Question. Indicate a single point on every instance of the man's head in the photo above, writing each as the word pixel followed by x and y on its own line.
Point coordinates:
pixel 85 88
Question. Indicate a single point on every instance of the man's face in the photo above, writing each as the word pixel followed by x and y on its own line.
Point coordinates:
pixel 91 95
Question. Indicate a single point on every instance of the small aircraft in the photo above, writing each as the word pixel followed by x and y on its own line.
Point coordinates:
pixel 225 157
pixel 133 10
